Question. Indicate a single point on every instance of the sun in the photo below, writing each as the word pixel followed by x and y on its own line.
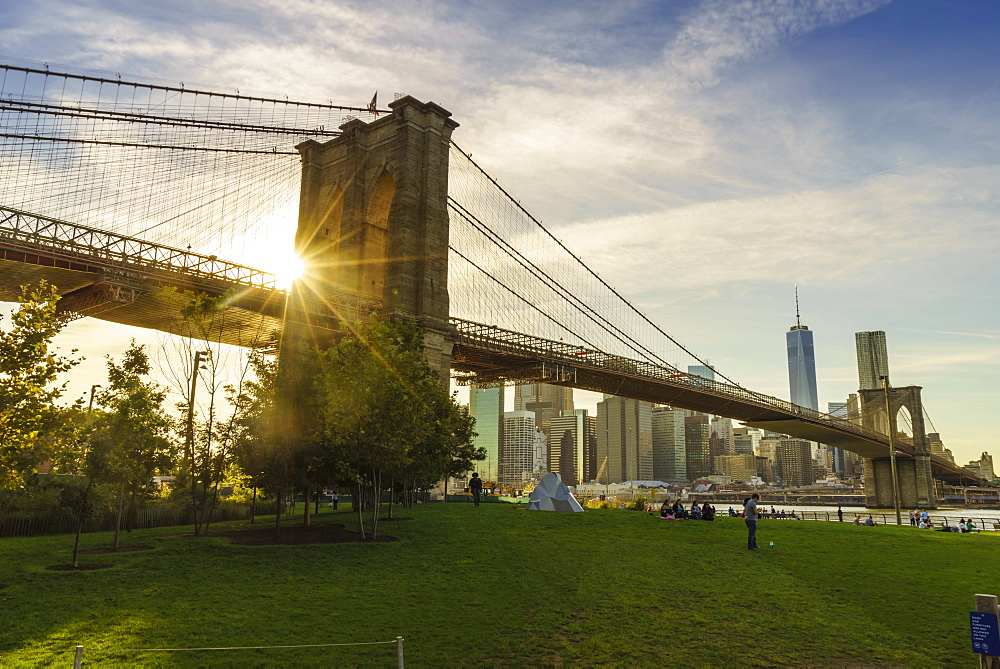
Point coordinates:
pixel 287 268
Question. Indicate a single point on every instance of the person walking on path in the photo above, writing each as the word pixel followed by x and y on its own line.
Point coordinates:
pixel 750 518
pixel 476 487
pixel 334 498
pixel 840 514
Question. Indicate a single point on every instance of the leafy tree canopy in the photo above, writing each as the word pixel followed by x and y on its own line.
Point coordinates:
pixel 30 425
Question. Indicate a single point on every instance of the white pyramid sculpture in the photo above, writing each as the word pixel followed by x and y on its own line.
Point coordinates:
pixel 551 494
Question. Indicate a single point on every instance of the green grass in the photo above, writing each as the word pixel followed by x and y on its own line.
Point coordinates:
pixel 503 586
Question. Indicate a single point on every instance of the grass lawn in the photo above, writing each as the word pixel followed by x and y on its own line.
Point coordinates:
pixel 503 586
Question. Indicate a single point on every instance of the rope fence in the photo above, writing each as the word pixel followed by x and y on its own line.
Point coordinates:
pixel 79 650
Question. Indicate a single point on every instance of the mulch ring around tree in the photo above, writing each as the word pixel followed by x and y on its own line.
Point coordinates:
pixel 112 551
pixel 79 567
pixel 297 534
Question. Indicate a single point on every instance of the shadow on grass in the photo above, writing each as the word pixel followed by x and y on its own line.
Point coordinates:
pixel 112 551
pixel 327 533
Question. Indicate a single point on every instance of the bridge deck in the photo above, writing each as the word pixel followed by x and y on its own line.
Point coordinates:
pixel 132 282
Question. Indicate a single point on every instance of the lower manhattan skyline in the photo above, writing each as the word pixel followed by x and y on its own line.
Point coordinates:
pixel 702 157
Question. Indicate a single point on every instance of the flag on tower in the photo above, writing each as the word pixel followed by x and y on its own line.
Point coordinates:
pixel 372 105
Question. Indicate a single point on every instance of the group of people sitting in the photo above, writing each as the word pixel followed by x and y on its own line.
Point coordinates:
pixel 676 511
pixel 867 522
pixel 762 512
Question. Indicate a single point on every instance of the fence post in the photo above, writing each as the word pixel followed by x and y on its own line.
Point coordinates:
pixel 399 652
pixel 988 604
pixel 78 657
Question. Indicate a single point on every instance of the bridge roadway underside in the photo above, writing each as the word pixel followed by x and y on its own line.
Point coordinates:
pixel 249 318
pixel 490 363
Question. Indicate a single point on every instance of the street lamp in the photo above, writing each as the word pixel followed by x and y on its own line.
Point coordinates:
pixel 892 449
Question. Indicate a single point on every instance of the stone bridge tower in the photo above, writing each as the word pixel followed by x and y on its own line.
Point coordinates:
pixel 916 483
pixel 373 219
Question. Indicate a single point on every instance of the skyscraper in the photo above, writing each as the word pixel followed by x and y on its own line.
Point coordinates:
pixel 568 436
pixel 486 406
pixel 625 438
pixel 697 446
pixel 544 400
pixel 669 456
pixel 801 363
pixel 838 410
pixel 704 371
pixel 795 462
pixel 873 359
pixel 517 453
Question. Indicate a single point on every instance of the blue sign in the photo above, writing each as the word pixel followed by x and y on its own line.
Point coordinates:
pixel 985 633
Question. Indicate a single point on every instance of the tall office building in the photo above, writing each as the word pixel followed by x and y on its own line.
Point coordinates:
pixel 568 436
pixel 745 440
pixel 721 434
pixel 669 455
pixel 625 438
pixel 873 359
pixel 517 452
pixel 590 464
pixel 539 454
pixel 704 371
pixel 795 462
pixel 486 406
pixel 838 410
pixel 801 363
pixel 697 446
pixel 544 400
pixel 741 468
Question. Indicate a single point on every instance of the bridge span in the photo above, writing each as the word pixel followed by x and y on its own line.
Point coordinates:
pixel 129 281
pixel 392 217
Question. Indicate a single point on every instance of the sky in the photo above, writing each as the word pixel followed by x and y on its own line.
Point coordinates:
pixel 704 157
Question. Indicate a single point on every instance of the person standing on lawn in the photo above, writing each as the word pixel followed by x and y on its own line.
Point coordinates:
pixel 750 518
pixel 476 487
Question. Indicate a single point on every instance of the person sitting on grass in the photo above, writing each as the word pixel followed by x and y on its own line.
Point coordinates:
pixel 869 521
pixel 970 526
pixel 665 510
pixel 707 511
pixel 857 519
pixel 961 526
pixel 923 525
pixel 732 512
pixel 696 511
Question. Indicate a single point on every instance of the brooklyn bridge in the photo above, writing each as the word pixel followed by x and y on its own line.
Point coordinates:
pixel 129 195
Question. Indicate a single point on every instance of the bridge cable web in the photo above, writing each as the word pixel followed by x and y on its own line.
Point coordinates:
pixel 207 170
pixel 526 280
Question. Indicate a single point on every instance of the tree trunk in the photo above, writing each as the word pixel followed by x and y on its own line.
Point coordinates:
pixel 306 518
pixel 357 506
pixel 392 493
pixel 118 515
pixel 130 514
pixel 278 503
pixel 376 507
pixel 211 507
pixel 253 506
pixel 76 541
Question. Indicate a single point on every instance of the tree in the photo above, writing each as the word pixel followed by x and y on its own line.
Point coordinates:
pixel 129 441
pixel 29 421
pixel 197 366
pixel 446 451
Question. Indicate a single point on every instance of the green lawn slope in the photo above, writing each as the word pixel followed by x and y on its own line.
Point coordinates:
pixel 501 586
